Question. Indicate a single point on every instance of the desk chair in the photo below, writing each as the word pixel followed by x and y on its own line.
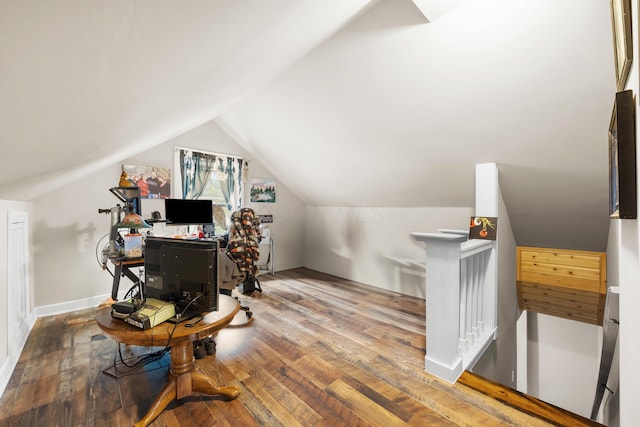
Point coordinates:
pixel 237 265
pixel 239 259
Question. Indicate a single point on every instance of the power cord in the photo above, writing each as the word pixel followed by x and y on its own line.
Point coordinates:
pixel 101 262
pixel 140 361
pixel 184 310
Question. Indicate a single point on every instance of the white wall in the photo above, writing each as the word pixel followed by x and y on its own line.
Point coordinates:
pixel 563 360
pixel 628 245
pixel 67 225
pixel 372 245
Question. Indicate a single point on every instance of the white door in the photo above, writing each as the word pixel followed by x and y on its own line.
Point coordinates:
pixel 18 281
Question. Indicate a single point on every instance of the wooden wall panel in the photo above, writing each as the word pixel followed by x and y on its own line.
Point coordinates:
pixel 562 282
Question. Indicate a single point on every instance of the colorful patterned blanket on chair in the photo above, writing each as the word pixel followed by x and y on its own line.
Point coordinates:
pixel 244 237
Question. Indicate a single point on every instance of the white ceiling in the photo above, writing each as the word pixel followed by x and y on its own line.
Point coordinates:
pixel 349 103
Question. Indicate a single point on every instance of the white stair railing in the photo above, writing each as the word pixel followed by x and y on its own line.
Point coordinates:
pixel 460 300
pixel 462 288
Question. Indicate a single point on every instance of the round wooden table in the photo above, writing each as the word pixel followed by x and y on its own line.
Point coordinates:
pixel 183 380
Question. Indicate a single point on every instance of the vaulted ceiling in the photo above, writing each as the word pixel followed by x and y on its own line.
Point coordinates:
pixel 348 103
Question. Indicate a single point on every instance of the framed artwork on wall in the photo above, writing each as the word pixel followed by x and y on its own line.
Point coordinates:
pixel 263 191
pixel 622 158
pixel 154 182
pixel 622 43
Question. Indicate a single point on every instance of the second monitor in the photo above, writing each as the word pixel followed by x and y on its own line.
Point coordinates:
pixel 188 211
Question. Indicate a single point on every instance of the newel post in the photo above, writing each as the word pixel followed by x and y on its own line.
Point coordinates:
pixel 443 357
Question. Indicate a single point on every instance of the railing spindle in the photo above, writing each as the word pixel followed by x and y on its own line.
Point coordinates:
pixel 464 303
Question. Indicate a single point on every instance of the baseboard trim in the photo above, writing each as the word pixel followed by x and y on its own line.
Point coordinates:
pixel 65 307
pixel 524 403
pixel 448 372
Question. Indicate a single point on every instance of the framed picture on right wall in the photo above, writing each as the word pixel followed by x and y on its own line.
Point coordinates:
pixel 622 40
pixel 622 158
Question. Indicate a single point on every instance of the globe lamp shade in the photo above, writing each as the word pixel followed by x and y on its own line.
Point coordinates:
pixel 132 220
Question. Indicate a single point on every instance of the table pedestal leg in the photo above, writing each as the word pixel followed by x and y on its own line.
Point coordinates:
pixel 183 381
pixel 166 396
pixel 204 384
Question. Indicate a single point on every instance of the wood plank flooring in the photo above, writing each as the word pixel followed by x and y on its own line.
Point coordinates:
pixel 321 351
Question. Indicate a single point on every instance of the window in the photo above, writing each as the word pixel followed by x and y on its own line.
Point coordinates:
pixel 212 176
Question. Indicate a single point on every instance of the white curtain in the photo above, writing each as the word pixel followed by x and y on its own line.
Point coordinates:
pixel 196 168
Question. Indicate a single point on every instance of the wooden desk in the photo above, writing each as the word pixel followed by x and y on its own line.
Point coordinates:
pixel 183 380
pixel 122 267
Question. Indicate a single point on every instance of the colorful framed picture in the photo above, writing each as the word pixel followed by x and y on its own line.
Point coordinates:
pixel 153 182
pixel 263 191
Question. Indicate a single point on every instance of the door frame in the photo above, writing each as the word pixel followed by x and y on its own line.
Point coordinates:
pixel 19 308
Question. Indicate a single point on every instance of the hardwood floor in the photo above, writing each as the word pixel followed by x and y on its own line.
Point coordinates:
pixel 321 351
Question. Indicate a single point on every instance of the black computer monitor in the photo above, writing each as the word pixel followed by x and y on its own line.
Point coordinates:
pixel 182 271
pixel 188 211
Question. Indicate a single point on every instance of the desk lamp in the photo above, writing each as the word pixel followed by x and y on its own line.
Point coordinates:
pixel 132 220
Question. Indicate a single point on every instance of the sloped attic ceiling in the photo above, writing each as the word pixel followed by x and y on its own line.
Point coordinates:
pixel 395 112
pixel 390 111
pixel 87 83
